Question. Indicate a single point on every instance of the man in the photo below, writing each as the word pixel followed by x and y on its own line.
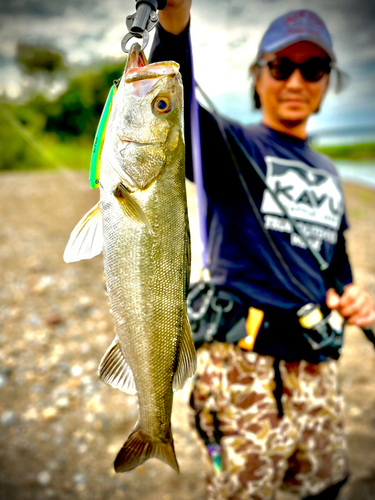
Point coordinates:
pixel 268 406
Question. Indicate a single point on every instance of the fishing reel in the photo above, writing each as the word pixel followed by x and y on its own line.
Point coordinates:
pixel 142 21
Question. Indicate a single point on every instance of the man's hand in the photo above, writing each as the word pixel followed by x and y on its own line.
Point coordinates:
pixel 175 16
pixel 355 305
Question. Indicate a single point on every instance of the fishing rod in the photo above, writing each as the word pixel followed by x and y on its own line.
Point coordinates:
pixel 142 21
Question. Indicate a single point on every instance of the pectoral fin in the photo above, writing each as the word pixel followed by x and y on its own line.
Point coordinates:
pixel 86 240
pixel 131 207
pixel 187 362
pixel 114 370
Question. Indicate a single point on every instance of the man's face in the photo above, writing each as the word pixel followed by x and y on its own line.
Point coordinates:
pixel 290 102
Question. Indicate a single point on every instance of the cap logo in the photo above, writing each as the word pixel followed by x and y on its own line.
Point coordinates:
pixel 296 17
pixel 304 22
pixel 294 27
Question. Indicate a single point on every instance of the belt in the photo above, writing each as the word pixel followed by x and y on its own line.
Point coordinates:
pixel 310 322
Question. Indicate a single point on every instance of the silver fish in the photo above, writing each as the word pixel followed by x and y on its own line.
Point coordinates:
pixel 141 225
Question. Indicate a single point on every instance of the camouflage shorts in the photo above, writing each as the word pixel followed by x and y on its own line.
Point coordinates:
pixel 304 452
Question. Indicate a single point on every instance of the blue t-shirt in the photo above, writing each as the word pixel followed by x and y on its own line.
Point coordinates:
pixel 307 185
pixel 282 274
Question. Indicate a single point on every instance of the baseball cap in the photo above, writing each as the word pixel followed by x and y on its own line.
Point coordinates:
pixel 293 27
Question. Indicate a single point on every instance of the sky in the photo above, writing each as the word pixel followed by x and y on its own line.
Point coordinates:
pixel 225 37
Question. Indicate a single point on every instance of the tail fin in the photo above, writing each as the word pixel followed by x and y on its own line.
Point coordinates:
pixel 138 448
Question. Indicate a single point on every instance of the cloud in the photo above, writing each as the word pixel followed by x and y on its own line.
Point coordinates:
pixel 225 35
pixel 225 41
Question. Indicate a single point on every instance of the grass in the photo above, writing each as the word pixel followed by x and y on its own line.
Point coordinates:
pixel 74 154
pixel 357 152
pixel 28 150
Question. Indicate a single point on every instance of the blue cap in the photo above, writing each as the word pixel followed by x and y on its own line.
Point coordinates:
pixel 293 27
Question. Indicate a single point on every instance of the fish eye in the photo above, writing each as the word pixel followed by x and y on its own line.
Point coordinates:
pixel 162 105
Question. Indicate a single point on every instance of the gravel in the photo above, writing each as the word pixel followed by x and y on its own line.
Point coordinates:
pixel 60 428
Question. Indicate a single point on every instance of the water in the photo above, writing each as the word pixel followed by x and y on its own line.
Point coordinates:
pixel 357 172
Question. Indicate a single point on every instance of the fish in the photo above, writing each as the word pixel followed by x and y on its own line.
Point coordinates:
pixel 141 225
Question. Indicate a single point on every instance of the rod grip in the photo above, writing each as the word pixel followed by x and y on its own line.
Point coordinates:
pixel 339 287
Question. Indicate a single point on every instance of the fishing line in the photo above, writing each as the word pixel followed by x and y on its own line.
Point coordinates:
pixel 198 174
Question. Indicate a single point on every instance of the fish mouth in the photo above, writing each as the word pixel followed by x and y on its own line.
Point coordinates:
pixel 152 71
pixel 136 58
pixel 140 77
pixel 138 69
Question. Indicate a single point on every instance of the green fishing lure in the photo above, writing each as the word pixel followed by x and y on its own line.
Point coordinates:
pixel 99 141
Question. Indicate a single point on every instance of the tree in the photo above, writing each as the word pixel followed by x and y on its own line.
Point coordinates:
pixel 76 111
pixel 35 59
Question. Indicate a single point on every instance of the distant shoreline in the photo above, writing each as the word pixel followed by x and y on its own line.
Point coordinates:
pixel 357 152
pixel 75 153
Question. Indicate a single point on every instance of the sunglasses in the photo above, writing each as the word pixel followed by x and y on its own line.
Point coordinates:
pixel 312 70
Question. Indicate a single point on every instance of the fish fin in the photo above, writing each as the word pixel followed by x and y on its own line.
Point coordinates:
pixel 131 207
pixel 187 361
pixel 188 259
pixel 86 239
pixel 139 447
pixel 115 371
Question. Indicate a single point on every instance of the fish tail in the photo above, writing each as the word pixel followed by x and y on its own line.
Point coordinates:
pixel 139 447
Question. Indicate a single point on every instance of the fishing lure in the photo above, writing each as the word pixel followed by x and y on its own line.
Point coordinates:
pixel 214 450
pixel 99 140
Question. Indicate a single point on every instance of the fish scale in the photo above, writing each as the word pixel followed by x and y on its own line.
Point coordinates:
pixel 142 221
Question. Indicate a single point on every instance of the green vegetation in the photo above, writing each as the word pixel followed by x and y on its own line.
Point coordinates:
pixel 355 152
pixel 34 59
pixel 44 132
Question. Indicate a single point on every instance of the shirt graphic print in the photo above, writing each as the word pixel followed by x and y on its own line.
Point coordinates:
pixel 312 197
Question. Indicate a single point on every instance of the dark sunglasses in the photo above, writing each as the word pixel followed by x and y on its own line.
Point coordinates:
pixel 312 70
